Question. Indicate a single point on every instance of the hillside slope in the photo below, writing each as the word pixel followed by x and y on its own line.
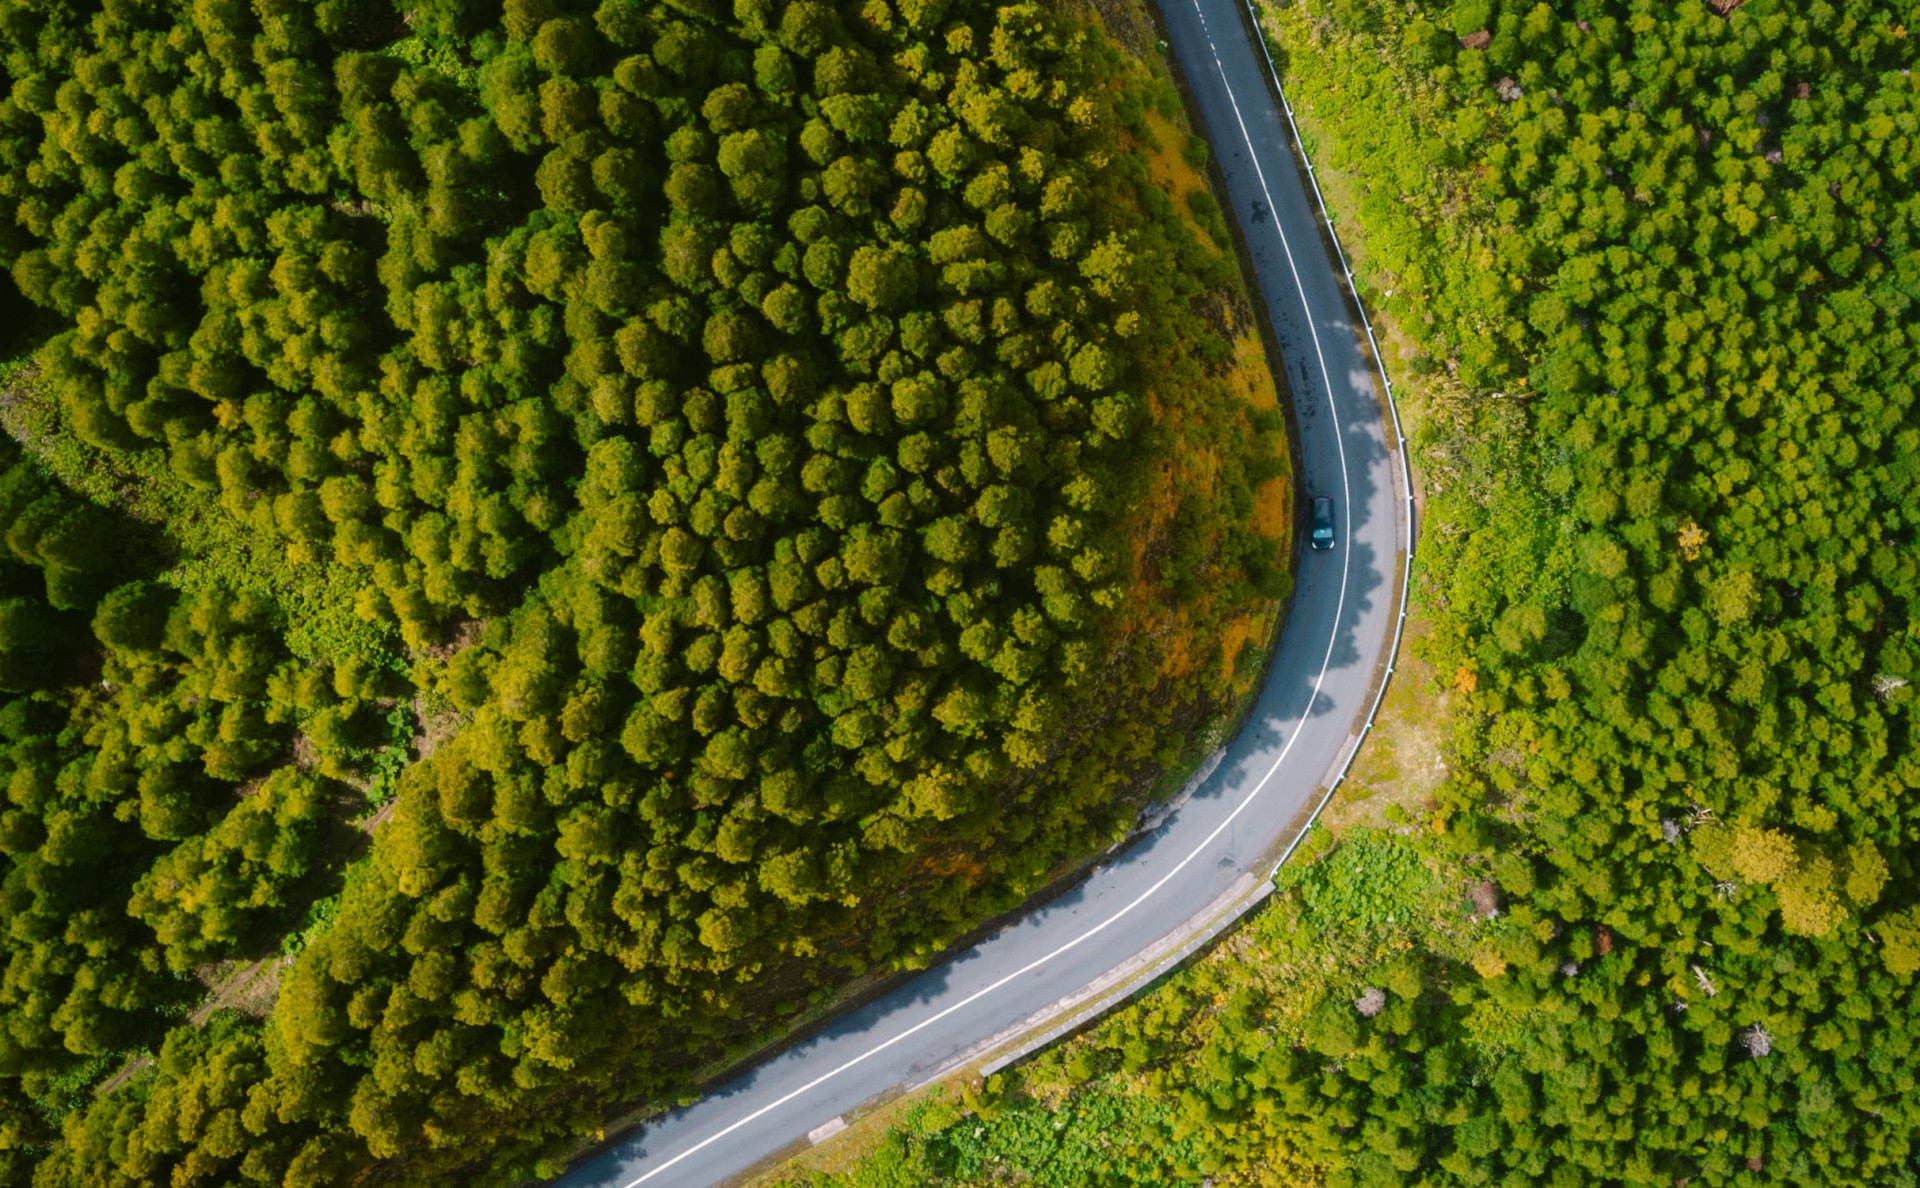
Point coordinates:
pixel 796 477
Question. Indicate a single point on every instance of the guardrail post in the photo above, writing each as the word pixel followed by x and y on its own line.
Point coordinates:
pixel 1400 439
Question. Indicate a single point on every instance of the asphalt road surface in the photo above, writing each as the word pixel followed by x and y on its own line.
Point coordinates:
pixel 1317 694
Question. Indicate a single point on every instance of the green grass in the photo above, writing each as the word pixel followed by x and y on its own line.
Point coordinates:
pixel 1122 1104
pixel 54 1096
pixel 197 541
pixel 1374 880
pixel 319 915
pixel 1105 1135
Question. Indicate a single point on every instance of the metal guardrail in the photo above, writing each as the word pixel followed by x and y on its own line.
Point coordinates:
pixel 1133 984
pixel 1108 998
pixel 1400 438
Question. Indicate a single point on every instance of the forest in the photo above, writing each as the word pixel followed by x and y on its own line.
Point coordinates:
pixel 1652 271
pixel 566 536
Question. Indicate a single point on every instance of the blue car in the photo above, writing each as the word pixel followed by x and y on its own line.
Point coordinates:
pixel 1322 537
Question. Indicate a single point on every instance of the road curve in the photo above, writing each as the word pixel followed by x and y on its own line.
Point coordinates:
pixel 1318 693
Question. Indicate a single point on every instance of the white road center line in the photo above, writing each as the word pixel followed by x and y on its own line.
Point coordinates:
pixel 1326 661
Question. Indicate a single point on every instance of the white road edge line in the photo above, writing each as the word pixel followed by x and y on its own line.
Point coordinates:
pixel 1393 410
pixel 1326 379
pixel 1339 608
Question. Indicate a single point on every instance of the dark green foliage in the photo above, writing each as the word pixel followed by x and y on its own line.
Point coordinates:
pixel 121 808
pixel 773 382
pixel 129 721
pixel 1673 568
pixel 202 897
pixel 195 1103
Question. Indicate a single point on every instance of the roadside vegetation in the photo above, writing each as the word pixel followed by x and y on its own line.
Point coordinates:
pixel 1353 931
pixel 1653 271
pixel 550 538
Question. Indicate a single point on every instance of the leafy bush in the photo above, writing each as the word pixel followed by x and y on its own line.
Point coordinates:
pixel 786 404
pixel 1370 880
pixel 1658 266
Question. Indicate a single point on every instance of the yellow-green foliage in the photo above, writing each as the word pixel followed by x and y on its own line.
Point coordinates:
pixel 1670 423
pixel 1659 266
pixel 1761 855
pixel 1900 942
pixel 762 393
pixel 1807 883
pixel 1866 874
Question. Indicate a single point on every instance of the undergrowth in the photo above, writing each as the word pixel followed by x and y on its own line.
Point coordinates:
pixel 201 544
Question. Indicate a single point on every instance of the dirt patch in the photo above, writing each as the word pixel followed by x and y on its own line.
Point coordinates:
pixel 464 635
pixel 304 756
pixel 1485 898
pixel 247 987
pixel 436 726
pixel 214 975
pixel 1403 762
pixel 125 1073
pixel 377 818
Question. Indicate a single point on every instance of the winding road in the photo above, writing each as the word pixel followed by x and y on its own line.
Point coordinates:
pixel 1318 696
